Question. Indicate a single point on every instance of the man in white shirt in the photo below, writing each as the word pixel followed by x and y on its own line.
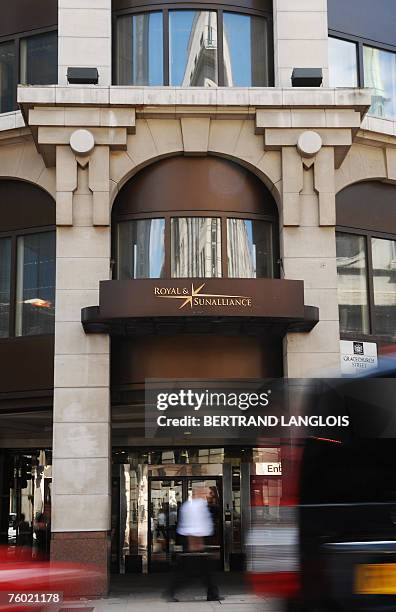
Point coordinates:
pixel 195 523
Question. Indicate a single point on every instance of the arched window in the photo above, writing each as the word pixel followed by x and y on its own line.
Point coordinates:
pixel 195 218
pixel 193 44
pixel 366 259
pixel 27 260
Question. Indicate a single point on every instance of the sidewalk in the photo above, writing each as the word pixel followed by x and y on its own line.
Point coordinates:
pixel 144 594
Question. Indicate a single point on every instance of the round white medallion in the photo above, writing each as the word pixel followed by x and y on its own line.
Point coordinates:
pixel 82 142
pixel 309 144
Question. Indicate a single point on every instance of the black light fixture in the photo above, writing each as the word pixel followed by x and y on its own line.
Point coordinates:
pixel 307 77
pixel 82 76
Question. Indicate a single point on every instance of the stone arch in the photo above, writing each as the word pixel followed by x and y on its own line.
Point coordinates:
pixel 21 161
pixel 156 139
pixel 363 163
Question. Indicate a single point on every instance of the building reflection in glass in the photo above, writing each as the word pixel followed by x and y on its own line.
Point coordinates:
pixel 249 249
pixel 384 279
pixel 141 250
pixel 140 49
pixel 193 48
pixel 380 75
pixel 195 247
pixel 352 283
pixel 245 51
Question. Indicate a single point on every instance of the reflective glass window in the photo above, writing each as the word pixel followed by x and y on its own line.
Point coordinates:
pixel 7 77
pixel 193 48
pixel 140 49
pixel 35 305
pixel 352 283
pixel 39 59
pixel 384 279
pixel 343 70
pixel 5 285
pixel 249 248
pixel 141 249
pixel 380 75
pixel 195 247
pixel 245 51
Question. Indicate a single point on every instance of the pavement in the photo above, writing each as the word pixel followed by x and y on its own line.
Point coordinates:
pixel 144 593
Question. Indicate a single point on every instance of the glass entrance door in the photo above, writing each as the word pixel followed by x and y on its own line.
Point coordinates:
pixel 166 496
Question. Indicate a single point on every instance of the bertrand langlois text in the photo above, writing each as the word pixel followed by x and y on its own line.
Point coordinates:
pixel 252 421
pixel 228 409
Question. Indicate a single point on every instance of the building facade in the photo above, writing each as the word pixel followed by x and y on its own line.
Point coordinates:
pixel 192 168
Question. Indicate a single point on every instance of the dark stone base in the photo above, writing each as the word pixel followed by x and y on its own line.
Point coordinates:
pixel 85 548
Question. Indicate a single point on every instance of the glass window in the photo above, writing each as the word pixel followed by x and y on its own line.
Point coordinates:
pixel 5 285
pixel 384 279
pixel 35 306
pixel 195 247
pixel 193 48
pixel 380 75
pixel 7 77
pixel 140 49
pixel 352 283
pixel 343 71
pixel 245 51
pixel 39 59
pixel 141 249
pixel 249 249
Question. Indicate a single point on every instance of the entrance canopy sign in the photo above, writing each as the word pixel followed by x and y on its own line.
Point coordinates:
pixel 126 304
pixel 358 357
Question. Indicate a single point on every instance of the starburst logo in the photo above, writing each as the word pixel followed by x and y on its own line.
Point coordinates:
pixel 195 297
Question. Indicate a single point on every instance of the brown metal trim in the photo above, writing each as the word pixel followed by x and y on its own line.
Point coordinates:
pixel 27 34
pixel 367 206
pixel 362 232
pixel 206 183
pixel 194 213
pixel 26 16
pixel 262 7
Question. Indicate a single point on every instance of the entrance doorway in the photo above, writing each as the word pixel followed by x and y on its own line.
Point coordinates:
pixel 166 495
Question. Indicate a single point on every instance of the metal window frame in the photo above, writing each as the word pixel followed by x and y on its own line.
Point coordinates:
pixel 16 39
pixel 361 42
pixel 14 235
pixel 219 9
pixel 373 336
pixel 210 214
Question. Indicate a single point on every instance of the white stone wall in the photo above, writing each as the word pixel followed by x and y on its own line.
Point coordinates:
pixel 81 452
pixel 84 28
pixel 300 38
